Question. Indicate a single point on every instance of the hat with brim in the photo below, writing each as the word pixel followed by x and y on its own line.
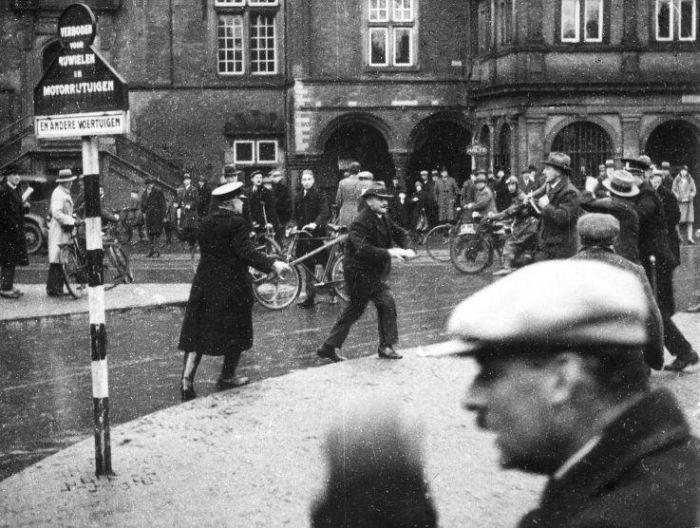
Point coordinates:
pixel 480 177
pixel 229 191
pixel 558 160
pixel 622 183
pixel 377 190
pixel 65 176
pixel 187 176
pixel 634 166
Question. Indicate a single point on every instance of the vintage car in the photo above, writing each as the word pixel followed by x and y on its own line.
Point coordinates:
pixel 35 226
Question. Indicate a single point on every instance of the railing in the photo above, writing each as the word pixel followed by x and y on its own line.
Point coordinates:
pixel 19 129
pixel 149 161
pixel 119 161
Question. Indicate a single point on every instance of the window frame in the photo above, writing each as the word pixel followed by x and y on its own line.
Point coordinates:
pixel 229 3
pixel 675 21
pixel 219 48
pixel 274 47
pixel 258 143
pixel 581 38
pixel 694 25
pixel 390 26
pixel 601 21
pixel 253 151
pixel 577 23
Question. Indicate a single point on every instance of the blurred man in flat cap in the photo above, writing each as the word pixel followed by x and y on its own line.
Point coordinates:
pixel 564 387
pixel 372 241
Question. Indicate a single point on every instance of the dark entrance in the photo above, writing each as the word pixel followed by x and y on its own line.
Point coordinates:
pixel 357 142
pixel 588 145
pixel 439 143
pixel 676 142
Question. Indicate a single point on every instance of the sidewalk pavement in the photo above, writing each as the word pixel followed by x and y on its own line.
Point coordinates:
pixel 253 457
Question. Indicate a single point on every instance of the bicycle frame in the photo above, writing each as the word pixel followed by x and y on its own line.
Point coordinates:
pixel 300 261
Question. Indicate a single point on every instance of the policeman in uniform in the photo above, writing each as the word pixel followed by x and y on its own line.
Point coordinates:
pixel 563 385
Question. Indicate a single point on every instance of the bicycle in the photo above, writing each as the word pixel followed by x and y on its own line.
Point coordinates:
pixel 264 240
pixel 439 239
pixel 277 292
pixel 73 260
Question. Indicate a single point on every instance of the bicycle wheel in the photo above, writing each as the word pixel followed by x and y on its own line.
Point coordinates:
pixel 122 232
pixel 437 243
pixel 74 274
pixel 338 278
pixel 120 260
pixel 470 254
pixel 273 291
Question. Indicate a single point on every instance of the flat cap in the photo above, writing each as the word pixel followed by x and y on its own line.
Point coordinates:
pixel 377 189
pixel 598 228
pixel 609 163
pixel 665 165
pixel 549 306
pixel 365 175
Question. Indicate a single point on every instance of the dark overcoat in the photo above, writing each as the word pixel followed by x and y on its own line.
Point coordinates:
pixel 654 350
pixel 188 203
pixel 558 234
pixel 627 243
pixel 307 209
pixel 643 473
pixel 218 317
pixel 283 202
pixel 261 206
pixel 672 213
pixel 13 245
pixel 154 210
pixel 653 237
pixel 366 255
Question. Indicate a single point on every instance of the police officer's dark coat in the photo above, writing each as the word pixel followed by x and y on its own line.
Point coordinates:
pixel 653 237
pixel 558 235
pixel 218 317
pixel 366 248
pixel 13 246
pixel 643 473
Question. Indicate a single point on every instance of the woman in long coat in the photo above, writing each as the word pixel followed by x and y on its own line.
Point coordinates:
pixel 154 210
pixel 62 220
pixel 446 191
pixel 218 318
pixel 685 191
pixel 13 245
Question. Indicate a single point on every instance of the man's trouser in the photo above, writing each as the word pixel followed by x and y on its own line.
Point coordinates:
pixel 363 290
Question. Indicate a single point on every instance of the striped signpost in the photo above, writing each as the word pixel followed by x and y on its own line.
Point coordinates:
pixel 81 95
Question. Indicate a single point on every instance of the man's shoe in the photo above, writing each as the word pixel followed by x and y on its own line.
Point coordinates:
pixel 187 390
pixel 682 362
pixel 9 294
pixel 388 353
pixel 503 271
pixel 328 352
pixel 232 383
pixel 306 303
pixel 57 294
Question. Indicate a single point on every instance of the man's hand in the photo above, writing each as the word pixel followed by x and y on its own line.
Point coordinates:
pixel 591 184
pixel 543 201
pixel 279 267
pixel 310 226
pixel 401 254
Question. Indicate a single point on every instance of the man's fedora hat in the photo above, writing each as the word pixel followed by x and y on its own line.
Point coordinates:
pixel 634 166
pixel 622 183
pixel 480 177
pixel 377 189
pixel 559 160
pixel 65 175
pixel 228 191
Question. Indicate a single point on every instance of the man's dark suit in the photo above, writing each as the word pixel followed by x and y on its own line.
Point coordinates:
pixel 367 263
pixel 558 235
pixel 644 472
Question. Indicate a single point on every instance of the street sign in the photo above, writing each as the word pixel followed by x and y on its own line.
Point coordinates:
pixel 80 94
pixel 477 149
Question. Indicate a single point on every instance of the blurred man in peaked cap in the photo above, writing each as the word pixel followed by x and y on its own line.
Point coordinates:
pixel 563 386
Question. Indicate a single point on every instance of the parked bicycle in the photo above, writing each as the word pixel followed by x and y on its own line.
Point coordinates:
pixel 73 260
pixel 124 228
pixel 276 292
pixel 439 239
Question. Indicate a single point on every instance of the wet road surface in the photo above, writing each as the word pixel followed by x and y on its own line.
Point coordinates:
pixel 45 383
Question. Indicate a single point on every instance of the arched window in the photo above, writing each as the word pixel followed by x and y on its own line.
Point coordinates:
pixel 502 158
pixel 587 144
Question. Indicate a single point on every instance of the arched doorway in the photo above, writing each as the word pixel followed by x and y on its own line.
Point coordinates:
pixel 587 144
pixel 439 142
pixel 502 159
pixel 357 141
pixel 49 54
pixel 676 142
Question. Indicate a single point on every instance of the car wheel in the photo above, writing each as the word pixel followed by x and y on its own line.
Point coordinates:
pixel 33 236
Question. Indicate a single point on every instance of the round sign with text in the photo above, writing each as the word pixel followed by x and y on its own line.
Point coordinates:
pixel 77 27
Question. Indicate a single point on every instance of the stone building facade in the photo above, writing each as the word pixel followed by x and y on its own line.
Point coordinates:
pixel 400 85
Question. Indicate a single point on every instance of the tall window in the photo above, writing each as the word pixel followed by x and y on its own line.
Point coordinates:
pixel 587 144
pixel 247 37
pixel 484 26
pixel 502 158
pixel 582 20
pixel 391 33
pixel 505 21
pixel 676 20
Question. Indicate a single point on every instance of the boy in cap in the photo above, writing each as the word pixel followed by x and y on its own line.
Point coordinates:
pixel 563 385
pixel 370 245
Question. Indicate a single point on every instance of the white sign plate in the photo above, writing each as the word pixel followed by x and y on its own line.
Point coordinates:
pixel 77 125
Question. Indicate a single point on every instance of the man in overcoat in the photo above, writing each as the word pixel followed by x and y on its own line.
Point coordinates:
pixel 218 318
pixel 154 211
pixel 563 386
pixel 446 192
pixel 311 213
pixel 653 242
pixel 60 227
pixel 371 244
pixel 187 206
pixel 347 198
pixel 560 204
pixel 261 204
pixel 13 245
pixel 283 198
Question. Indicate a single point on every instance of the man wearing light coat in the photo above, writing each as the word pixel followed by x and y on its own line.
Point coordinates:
pixel 61 210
